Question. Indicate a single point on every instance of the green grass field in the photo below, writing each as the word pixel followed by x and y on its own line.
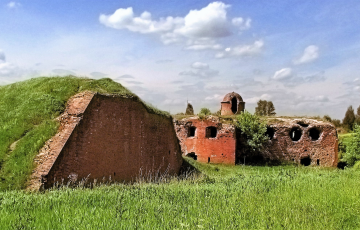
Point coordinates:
pixel 220 197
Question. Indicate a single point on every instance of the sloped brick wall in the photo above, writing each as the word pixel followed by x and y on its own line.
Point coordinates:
pixel 114 137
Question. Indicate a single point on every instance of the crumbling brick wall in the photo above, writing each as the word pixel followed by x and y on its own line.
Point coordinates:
pixel 111 136
pixel 204 145
pixel 303 141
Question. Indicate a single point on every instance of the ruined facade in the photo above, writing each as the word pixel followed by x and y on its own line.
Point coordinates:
pixel 207 140
pixel 232 104
pixel 302 141
pixel 107 136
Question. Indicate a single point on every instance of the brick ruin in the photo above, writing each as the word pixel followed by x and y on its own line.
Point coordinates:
pixel 118 137
pixel 107 136
pixel 232 104
pixel 207 140
pixel 302 141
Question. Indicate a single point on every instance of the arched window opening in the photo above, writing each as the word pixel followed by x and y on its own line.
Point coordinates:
pixel 234 105
pixel 192 155
pixel 295 134
pixel 270 132
pixel 314 134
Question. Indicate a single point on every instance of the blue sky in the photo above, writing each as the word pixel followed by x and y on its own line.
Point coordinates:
pixel 302 55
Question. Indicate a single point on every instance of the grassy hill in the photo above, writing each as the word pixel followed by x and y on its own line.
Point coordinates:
pixel 27 112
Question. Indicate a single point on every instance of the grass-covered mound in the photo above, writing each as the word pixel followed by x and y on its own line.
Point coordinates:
pixel 222 197
pixel 27 112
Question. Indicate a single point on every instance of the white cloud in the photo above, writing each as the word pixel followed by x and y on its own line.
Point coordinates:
pixel 124 19
pixel 202 44
pixel 13 5
pixel 200 65
pixel 241 23
pixel 209 22
pixel 282 74
pixel 241 51
pixel 203 73
pixel 215 97
pixel 254 100
pixel 7 69
pixel 199 28
pixel 2 56
pixel 310 54
pixel 321 98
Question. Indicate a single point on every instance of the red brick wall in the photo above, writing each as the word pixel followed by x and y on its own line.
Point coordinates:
pixel 117 137
pixel 220 149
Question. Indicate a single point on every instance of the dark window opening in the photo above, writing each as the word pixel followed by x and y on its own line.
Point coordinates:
pixel 211 132
pixel 114 174
pixel 191 132
pixel 169 152
pixel 270 132
pixel 295 134
pixel 314 134
pixel 234 105
pixel 318 162
pixel 305 161
pixel 208 159
pixel 192 155
pixel 303 124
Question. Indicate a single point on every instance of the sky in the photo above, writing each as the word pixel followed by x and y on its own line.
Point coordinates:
pixel 303 55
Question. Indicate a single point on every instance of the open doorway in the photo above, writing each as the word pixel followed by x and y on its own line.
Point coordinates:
pixel 234 105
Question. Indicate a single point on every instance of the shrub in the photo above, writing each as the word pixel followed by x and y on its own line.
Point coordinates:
pixel 253 131
pixel 352 154
pixel 205 111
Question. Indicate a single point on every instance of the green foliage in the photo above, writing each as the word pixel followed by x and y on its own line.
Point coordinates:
pixel 327 118
pixel 205 111
pixel 352 153
pixel 265 108
pixel 27 112
pixel 189 109
pixel 357 116
pixel 225 197
pixel 336 122
pixel 253 130
pixel 349 118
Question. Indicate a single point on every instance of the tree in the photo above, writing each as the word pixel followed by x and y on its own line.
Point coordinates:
pixel 357 117
pixel 352 154
pixel 253 131
pixel 349 118
pixel 205 111
pixel 270 109
pixel 265 108
pixel 189 109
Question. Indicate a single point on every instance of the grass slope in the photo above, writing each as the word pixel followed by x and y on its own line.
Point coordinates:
pixel 223 197
pixel 27 112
